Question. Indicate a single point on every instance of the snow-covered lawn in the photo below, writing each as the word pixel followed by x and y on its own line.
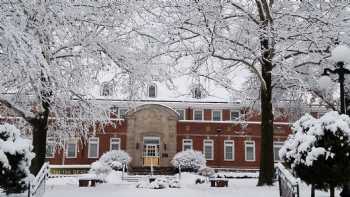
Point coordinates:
pixel 68 187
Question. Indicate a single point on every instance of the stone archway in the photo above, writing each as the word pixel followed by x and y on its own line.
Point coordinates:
pixel 151 120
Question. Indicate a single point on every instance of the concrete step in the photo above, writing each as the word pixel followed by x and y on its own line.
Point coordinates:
pixel 132 179
pixel 156 171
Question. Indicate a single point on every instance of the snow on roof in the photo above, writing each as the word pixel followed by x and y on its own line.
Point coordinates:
pixel 181 90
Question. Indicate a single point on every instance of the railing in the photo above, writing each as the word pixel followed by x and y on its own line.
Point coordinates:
pixel 37 186
pixel 288 184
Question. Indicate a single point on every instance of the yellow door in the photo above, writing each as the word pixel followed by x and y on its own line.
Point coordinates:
pixel 151 155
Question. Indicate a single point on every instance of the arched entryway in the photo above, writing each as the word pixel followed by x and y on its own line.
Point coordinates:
pixel 151 135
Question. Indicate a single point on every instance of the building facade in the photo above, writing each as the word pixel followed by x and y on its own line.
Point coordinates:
pixel 153 132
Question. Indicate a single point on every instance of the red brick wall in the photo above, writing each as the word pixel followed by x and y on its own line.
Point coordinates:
pixel 225 131
pixel 207 114
pixel 225 114
pixel 197 131
pixel 104 145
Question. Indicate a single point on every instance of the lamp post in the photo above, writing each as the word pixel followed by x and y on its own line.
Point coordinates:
pixel 341 72
pixel 324 81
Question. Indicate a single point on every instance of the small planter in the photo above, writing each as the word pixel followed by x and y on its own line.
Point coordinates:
pixel 151 179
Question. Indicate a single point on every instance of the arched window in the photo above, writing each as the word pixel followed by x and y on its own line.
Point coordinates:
pixel 152 91
pixel 107 89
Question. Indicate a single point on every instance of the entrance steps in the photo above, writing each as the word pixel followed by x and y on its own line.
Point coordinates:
pixel 132 178
pixel 156 171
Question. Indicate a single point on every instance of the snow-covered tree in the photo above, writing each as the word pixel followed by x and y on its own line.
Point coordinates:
pixel 15 157
pixel 52 54
pixel 189 160
pixel 284 44
pixel 115 159
pixel 319 150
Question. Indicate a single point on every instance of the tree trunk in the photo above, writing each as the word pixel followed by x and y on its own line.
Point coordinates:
pixel 266 155
pixel 266 151
pixel 312 190
pixel 331 191
pixel 39 144
pixel 40 126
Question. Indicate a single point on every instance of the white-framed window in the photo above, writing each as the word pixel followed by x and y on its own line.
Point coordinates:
pixel 71 148
pixel 50 147
pixel 93 147
pixel 216 115
pixel 208 149
pixel 249 150
pixel 107 89
pixel 276 148
pixel 229 150
pixel 152 91
pixel 197 114
pixel 182 114
pixel 234 115
pixel 187 144
pixel 122 112
pixel 114 144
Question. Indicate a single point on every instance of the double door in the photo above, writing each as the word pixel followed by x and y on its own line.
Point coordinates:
pixel 151 154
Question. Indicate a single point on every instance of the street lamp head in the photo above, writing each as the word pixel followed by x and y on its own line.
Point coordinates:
pixel 325 82
pixel 341 53
pixel 339 64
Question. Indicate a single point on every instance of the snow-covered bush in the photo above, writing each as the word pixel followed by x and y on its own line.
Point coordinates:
pixel 115 159
pixel 100 169
pixel 112 160
pixel 206 171
pixel 200 181
pixel 159 183
pixel 15 160
pixel 318 150
pixel 189 160
pixel 174 183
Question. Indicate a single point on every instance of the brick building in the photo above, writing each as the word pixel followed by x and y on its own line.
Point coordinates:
pixel 153 129
pixel 153 132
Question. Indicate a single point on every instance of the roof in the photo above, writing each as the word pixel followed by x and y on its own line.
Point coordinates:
pixel 180 90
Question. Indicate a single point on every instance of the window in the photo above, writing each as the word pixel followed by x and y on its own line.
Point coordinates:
pixel 181 113
pixel 114 110
pixel 107 89
pixel 198 115
pixel 234 115
pixel 187 144
pixel 229 150
pixel 197 93
pixel 50 147
pixel 276 148
pixel 208 149
pixel 216 115
pixel 249 150
pixel 93 147
pixel 152 91
pixel 122 112
pixel 114 144
pixel 72 149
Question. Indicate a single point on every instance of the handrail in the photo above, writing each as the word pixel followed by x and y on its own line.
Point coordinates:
pixel 285 178
pixel 39 178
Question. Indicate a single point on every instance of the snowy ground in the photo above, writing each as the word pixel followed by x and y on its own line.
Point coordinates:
pixel 68 187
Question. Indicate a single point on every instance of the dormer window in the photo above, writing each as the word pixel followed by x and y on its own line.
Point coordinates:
pixel 198 91
pixel 152 91
pixel 107 89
